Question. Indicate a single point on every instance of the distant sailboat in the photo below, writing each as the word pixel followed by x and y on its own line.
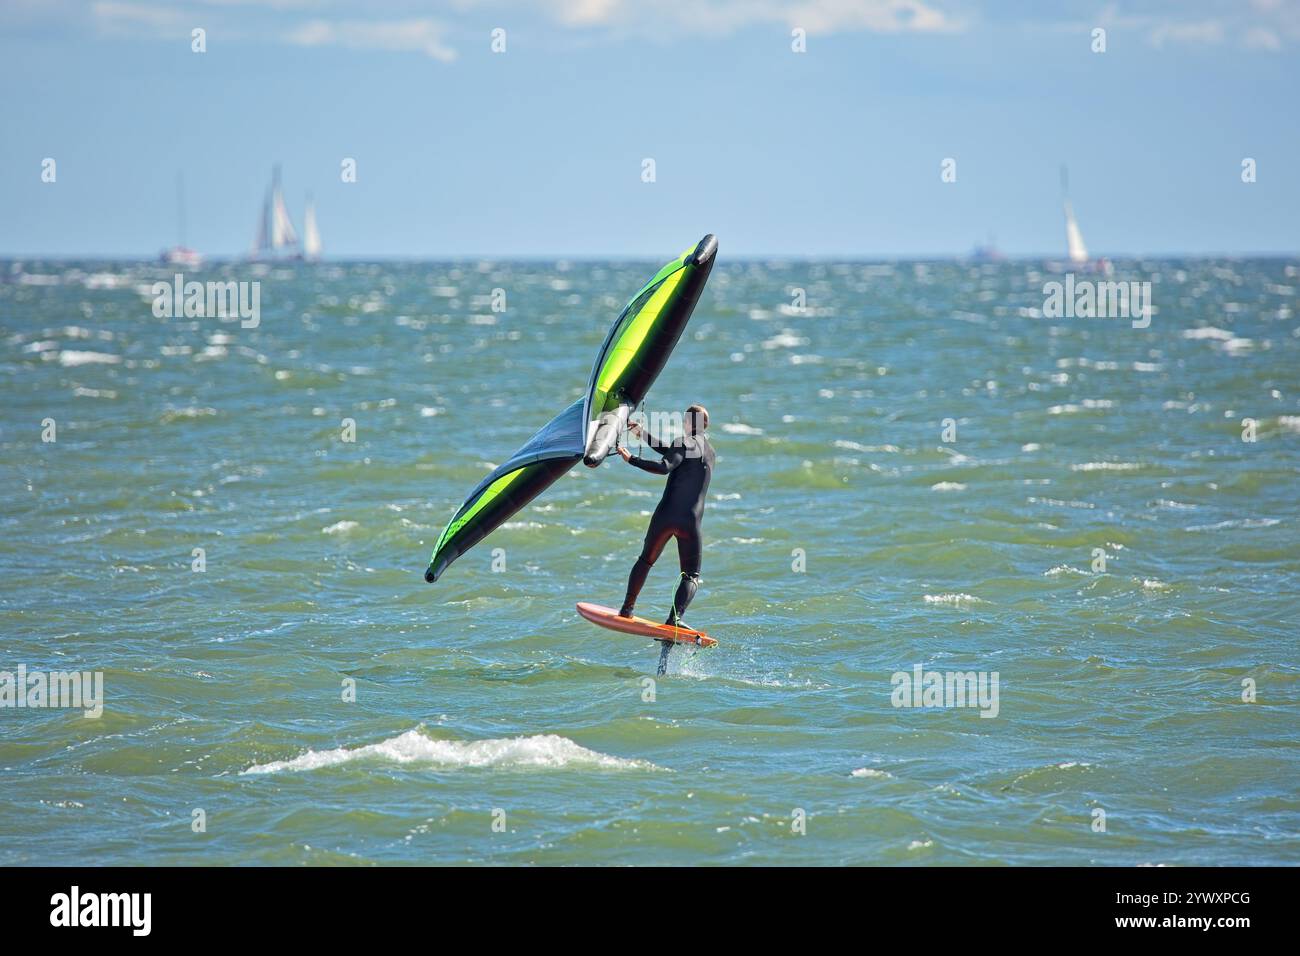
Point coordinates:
pixel 180 254
pixel 276 236
pixel 1075 251
pixel 311 246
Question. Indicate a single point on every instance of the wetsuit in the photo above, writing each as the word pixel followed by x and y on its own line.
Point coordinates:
pixel 688 463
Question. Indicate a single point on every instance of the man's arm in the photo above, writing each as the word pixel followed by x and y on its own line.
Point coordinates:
pixel 654 467
pixel 653 442
pixel 637 429
pixel 673 455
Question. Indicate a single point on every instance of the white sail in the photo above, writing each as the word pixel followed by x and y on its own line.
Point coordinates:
pixel 282 231
pixel 1074 247
pixel 310 234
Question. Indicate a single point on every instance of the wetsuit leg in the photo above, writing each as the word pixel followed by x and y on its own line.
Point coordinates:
pixel 655 539
pixel 689 553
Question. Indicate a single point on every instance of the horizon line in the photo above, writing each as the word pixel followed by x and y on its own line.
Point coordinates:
pixel 224 259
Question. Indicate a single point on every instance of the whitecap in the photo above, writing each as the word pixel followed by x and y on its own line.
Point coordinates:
pixel 1207 332
pixel 785 340
pixel 70 357
pixel 1236 523
pixel 1107 466
pixel 548 751
pixel 1060 569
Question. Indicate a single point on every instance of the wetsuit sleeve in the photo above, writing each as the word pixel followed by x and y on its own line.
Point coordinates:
pixel 673 455
pixel 654 467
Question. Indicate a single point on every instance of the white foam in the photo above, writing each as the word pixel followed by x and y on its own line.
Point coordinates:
pixel 340 528
pixel 70 357
pixel 1088 404
pixel 1208 332
pixel 1060 569
pixel 413 747
pixel 952 599
pixel 785 340
pixel 948 486
pixel 858 446
pixel 1107 466
pixel 1236 523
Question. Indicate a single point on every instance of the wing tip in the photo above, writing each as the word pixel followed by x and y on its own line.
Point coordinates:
pixel 705 250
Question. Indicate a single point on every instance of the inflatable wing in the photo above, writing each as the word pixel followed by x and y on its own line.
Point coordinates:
pixel 635 352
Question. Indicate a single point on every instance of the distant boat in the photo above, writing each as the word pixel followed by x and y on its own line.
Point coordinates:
pixel 180 254
pixel 276 237
pixel 310 234
pixel 988 252
pixel 1076 253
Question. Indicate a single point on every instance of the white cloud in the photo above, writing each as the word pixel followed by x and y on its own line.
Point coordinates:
pixel 139 18
pixel 586 13
pixel 1260 38
pixel 394 25
pixel 725 16
pixel 1194 32
pixel 411 36
pixel 886 16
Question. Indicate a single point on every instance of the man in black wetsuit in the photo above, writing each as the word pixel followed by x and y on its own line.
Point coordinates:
pixel 688 463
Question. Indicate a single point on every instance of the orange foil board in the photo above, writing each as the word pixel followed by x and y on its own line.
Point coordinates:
pixel 608 617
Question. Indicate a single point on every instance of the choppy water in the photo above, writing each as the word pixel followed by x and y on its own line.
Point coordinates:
pixel 1119 690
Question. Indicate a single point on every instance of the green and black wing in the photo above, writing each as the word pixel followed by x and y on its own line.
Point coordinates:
pixel 642 337
pixel 640 341
pixel 530 471
pixel 634 353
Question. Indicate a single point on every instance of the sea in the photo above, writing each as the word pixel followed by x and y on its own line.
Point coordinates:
pixel 992 584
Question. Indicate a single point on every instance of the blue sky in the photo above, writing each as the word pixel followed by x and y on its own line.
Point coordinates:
pixel 538 151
